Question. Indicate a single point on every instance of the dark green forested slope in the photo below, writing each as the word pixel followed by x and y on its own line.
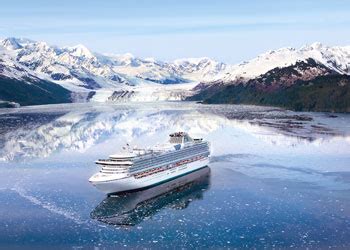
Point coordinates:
pixel 324 93
pixel 32 92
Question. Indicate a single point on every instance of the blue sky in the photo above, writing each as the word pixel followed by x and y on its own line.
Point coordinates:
pixel 229 31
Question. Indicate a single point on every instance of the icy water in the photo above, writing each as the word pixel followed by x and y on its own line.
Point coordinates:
pixel 276 178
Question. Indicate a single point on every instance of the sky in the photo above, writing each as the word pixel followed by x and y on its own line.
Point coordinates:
pixel 230 31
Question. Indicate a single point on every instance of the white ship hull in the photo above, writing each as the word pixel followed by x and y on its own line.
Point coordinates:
pixel 135 184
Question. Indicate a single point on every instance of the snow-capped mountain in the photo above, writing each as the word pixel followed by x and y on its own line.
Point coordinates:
pixel 98 77
pixel 77 67
pixel 304 86
pixel 336 58
pixel 199 68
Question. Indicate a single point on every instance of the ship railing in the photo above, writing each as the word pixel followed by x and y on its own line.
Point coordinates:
pixel 167 166
pixel 126 161
pixel 112 167
pixel 107 160
pixel 106 171
pixel 156 163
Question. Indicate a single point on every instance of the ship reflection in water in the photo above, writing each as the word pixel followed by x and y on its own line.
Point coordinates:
pixel 130 209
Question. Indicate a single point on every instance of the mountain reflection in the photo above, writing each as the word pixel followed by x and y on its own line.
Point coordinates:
pixel 39 132
pixel 132 208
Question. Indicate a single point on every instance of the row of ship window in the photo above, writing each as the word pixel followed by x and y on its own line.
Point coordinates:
pixel 175 154
pixel 155 170
pixel 162 161
pixel 112 171
pixel 189 149
pixel 169 157
pixel 180 153
pixel 167 167
pixel 171 162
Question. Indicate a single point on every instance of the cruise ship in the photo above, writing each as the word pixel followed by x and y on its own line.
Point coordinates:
pixel 137 169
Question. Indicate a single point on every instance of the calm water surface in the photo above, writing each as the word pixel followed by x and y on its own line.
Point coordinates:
pixel 276 178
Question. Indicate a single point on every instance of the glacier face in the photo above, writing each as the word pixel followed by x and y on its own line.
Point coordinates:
pixel 102 78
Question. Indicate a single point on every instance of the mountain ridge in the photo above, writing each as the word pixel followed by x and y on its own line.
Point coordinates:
pixel 91 76
pixel 303 86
